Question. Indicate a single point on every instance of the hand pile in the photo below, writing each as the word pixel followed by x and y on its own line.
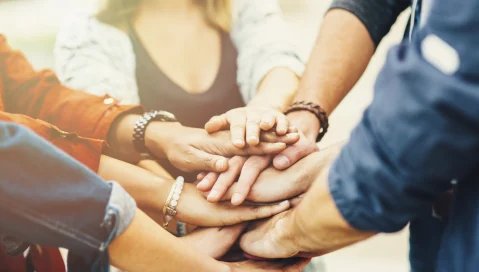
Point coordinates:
pixel 256 174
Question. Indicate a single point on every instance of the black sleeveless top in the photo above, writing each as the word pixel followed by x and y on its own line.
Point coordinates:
pixel 158 92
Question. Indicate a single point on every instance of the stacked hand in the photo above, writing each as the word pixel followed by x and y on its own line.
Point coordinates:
pixel 246 125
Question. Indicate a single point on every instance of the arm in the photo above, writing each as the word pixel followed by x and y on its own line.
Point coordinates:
pixel 36 176
pixel 349 34
pixel 264 43
pixel 147 247
pixel 347 39
pixel 96 58
pixel 402 155
pixel 268 72
pixel 151 192
pixel 138 243
pixel 40 95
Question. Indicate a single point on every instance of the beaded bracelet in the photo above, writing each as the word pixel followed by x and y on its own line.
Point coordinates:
pixel 169 210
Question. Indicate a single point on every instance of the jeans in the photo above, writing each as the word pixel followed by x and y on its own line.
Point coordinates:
pixel 48 198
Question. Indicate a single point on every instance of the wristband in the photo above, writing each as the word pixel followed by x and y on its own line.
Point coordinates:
pixel 314 109
pixel 141 125
pixel 169 210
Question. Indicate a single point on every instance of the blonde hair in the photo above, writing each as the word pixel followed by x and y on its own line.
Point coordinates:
pixel 118 12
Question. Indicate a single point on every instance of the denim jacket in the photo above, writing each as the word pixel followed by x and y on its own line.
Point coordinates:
pixel 48 198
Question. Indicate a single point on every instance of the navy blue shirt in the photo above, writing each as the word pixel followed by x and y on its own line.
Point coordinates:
pixel 420 133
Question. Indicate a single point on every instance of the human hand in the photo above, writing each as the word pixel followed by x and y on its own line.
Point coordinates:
pixel 215 242
pixel 290 265
pixel 295 152
pixel 248 170
pixel 192 149
pixel 271 238
pixel 246 123
pixel 194 209
pixel 273 185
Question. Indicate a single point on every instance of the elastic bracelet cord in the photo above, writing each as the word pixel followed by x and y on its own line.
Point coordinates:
pixel 169 209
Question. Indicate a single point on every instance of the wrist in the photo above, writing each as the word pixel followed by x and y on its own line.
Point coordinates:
pixel 158 135
pixel 119 138
pixel 159 193
pixel 306 122
pixel 300 233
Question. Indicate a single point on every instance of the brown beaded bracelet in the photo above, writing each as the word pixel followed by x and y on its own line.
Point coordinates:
pixel 314 109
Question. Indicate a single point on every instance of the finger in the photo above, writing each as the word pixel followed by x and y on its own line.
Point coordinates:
pixel 265 148
pixel 272 137
pixel 201 176
pixel 293 129
pixel 249 213
pixel 295 201
pixel 207 182
pixel 268 120
pixel 226 179
pixel 282 124
pixel 292 154
pixel 201 161
pixel 221 239
pixel 237 128
pixel 250 171
pixel 217 123
pixel 252 131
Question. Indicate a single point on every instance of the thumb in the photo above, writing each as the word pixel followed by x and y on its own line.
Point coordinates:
pixel 217 123
pixel 293 153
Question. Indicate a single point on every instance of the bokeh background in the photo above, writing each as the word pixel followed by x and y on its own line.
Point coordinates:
pixel 31 26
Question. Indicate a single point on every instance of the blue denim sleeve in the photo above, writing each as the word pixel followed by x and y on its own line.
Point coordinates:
pixel 48 198
pixel 421 130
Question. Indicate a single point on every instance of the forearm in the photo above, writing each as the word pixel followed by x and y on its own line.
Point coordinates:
pixel 277 89
pixel 148 190
pixel 318 215
pixel 145 246
pixel 340 56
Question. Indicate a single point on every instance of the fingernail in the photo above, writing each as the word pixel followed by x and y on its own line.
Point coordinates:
pixel 236 199
pixel 221 164
pixel 238 142
pixel 266 123
pixel 213 196
pixel 253 139
pixel 284 203
pixel 282 161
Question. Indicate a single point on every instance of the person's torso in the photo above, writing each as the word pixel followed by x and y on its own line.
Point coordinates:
pixel 158 92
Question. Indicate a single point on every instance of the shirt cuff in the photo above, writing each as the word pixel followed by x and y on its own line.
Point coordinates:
pixel 124 205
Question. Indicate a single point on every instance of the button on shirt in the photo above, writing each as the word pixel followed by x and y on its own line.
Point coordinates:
pixel 76 122
pixel 420 132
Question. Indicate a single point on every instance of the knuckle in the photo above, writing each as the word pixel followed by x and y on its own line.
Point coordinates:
pixel 209 162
